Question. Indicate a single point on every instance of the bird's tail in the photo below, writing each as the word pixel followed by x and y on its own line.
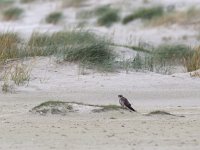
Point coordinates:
pixel 131 108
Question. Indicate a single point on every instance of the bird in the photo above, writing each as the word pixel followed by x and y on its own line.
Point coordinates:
pixel 125 103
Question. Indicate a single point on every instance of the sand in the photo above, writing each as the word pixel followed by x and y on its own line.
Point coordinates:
pixel 21 130
pixel 177 94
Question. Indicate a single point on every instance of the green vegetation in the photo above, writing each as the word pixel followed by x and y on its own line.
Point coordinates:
pixel 49 103
pixel 171 52
pixel 144 13
pixel 12 13
pixel 107 15
pixel 54 17
pixel 162 59
pixel 8 45
pixel 60 107
pixel 21 74
pixel 160 112
pixel 164 113
pixel 183 17
pixel 53 107
pixel 74 46
pixel 192 61
pixel 72 3
pixel 89 50
pixel 78 46
pixel 27 1
pixel 5 3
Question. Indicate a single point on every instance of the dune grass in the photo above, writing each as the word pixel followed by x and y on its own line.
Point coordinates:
pixel 27 1
pixel 72 3
pixel 107 15
pixel 9 45
pixel 183 17
pixel 20 74
pixel 144 13
pixel 5 4
pixel 192 61
pixel 54 17
pixel 161 59
pixel 12 13
pixel 171 52
pixel 73 46
pixel 90 50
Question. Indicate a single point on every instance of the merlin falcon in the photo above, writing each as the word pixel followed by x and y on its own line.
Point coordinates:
pixel 125 103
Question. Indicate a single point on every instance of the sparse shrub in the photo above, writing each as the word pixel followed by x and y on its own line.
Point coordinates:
pixel 144 13
pixel 54 17
pixel 13 13
pixel 107 16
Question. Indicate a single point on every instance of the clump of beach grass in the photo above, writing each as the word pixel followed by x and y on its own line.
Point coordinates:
pixel 171 52
pixel 9 45
pixel 183 17
pixel 27 1
pixel 72 3
pixel 166 56
pixel 107 15
pixel 144 13
pixel 21 74
pixel 18 73
pixel 160 59
pixel 54 17
pixel 12 13
pixel 192 61
pixel 74 46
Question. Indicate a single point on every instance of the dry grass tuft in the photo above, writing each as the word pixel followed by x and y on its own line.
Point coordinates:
pixel 189 16
pixel 192 61
pixel 8 45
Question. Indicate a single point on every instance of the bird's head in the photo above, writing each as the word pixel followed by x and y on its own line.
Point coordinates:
pixel 120 96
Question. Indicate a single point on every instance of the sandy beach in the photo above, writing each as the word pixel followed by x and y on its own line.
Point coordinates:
pixel 173 91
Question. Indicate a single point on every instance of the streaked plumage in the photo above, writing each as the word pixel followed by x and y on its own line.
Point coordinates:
pixel 125 103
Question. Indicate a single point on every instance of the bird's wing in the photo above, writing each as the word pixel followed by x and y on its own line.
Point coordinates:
pixel 126 102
